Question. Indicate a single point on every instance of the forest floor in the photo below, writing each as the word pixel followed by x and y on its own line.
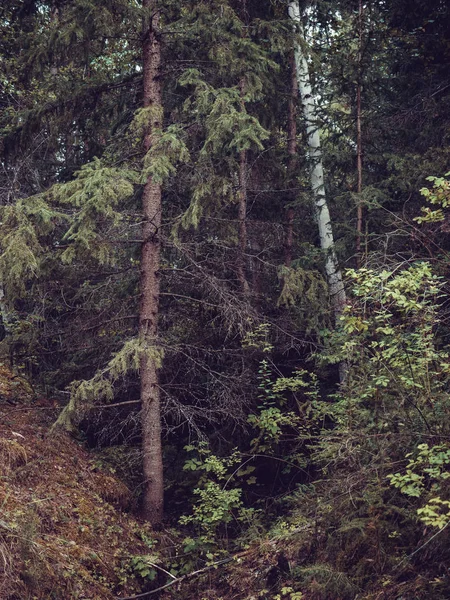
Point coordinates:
pixel 67 531
pixel 64 532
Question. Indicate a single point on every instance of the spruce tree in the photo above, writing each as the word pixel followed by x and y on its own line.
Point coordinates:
pixel 153 498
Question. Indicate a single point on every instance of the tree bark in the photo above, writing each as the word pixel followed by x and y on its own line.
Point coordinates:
pixel 242 217
pixel 242 210
pixel 292 151
pixel 153 498
pixel 333 272
pixel 359 209
pixel 5 317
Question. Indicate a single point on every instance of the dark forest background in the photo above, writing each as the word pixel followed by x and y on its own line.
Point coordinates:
pixel 305 435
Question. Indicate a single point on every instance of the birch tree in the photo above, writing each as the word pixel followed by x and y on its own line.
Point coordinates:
pixel 322 213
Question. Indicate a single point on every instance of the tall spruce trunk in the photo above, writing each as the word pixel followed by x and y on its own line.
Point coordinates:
pixel 153 499
pixel 333 272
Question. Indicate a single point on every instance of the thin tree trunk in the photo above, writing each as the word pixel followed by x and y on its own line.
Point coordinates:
pixel 242 217
pixel 54 20
pixel 242 210
pixel 359 215
pixel 5 315
pixel 359 208
pixel 292 151
pixel 289 241
pixel 153 499
pixel 333 272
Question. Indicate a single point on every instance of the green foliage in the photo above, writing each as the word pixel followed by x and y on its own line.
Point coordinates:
pixel 69 264
pixel 387 337
pixel 424 476
pixel 258 338
pixel 269 423
pixel 288 593
pixel 272 419
pixel 96 194
pixel 306 290
pixel 144 566
pixel 227 124
pixel 167 150
pixel 24 227
pixel 435 513
pixel 101 386
pixel 326 581
pixel 217 504
pixel 207 195
pixel 439 196
pixel 395 394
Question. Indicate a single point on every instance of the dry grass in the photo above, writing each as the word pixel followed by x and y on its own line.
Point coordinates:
pixel 61 534
pixel 12 455
pixel 112 490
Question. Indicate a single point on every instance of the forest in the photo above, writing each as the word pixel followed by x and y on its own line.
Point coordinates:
pixel 224 299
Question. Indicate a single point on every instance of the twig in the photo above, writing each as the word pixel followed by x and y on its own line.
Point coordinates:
pixel 181 579
pixel 423 545
pixel 219 563
pixel 155 566
pixel 238 469
pixel 95 406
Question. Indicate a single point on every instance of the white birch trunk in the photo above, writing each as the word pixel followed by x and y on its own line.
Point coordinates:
pixel 333 272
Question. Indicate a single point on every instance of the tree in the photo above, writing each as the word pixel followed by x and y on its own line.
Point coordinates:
pixel 334 275
pixel 153 498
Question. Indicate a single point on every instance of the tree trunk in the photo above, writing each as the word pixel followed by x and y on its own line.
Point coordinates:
pixel 359 210
pixel 153 499
pixel 333 272
pixel 242 210
pixel 242 217
pixel 5 317
pixel 292 151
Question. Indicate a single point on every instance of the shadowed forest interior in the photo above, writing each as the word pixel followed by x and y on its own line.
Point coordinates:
pixel 224 299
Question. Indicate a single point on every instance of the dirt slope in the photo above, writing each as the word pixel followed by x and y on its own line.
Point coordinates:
pixel 64 533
